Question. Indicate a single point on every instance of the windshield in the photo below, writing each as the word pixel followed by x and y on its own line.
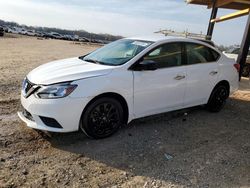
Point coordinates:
pixel 117 53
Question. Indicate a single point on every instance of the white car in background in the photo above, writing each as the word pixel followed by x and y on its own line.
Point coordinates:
pixel 13 30
pixel 31 33
pixel 233 53
pixel 22 31
pixel 124 80
pixel 55 35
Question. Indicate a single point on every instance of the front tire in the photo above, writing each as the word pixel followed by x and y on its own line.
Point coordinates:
pixel 102 118
pixel 218 98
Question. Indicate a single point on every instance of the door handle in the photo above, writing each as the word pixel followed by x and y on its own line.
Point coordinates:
pixel 179 77
pixel 213 73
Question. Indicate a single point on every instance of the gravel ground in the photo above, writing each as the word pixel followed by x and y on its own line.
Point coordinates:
pixel 187 148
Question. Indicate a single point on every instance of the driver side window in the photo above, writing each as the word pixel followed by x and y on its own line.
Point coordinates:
pixel 167 55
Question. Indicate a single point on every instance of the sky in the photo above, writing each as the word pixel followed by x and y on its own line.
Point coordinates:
pixel 122 17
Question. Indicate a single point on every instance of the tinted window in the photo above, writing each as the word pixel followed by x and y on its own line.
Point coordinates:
pixel 215 54
pixel 167 55
pixel 198 53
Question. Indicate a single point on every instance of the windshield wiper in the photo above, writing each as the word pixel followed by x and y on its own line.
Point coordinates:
pixel 92 61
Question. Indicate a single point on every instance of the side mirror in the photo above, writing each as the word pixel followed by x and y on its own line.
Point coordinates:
pixel 147 65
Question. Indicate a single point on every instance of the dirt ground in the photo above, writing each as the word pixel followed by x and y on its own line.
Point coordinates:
pixel 187 148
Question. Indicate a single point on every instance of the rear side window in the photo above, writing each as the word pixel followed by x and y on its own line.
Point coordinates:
pixel 215 54
pixel 167 55
pixel 198 53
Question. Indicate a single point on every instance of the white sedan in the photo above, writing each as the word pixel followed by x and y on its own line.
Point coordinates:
pixel 124 80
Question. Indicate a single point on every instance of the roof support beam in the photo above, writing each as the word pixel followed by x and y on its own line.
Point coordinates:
pixel 210 28
pixel 244 46
pixel 232 15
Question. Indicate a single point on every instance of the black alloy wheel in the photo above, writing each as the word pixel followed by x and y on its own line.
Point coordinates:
pixel 102 118
pixel 218 98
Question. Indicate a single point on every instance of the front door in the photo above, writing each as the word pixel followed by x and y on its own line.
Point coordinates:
pixel 162 89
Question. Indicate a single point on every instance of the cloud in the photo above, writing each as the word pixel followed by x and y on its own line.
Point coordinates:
pixel 125 17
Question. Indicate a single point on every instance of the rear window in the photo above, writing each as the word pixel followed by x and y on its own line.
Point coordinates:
pixel 215 54
pixel 198 53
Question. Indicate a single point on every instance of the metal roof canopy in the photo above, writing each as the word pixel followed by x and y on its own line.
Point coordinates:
pixel 228 4
pixel 243 7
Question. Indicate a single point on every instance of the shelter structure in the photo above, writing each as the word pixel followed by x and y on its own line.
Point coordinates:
pixel 242 8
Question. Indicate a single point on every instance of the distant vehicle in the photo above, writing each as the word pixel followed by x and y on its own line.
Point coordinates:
pixel 233 53
pixel 125 80
pixel 13 30
pixel 94 40
pixel 1 31
pixel 55 35
pixel 71 37
pixel 68 37
pixel 75 37
pixel 84 39
pixel 46 35
pixel 39 34
pixel 5 28
pixel 22 31
pixel 31 33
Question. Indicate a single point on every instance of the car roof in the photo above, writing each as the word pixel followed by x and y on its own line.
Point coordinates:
pixel 153 38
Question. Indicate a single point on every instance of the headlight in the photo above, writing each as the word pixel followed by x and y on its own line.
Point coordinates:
pixel 55 91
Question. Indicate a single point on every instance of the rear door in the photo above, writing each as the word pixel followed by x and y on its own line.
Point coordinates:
pixel 202 73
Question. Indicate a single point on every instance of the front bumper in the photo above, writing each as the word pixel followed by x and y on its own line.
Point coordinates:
pixel 66 111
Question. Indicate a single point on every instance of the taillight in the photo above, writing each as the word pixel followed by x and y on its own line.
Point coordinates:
pixel 237 66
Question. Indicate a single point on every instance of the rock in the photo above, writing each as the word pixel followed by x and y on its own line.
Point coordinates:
pixel 124 174
pixel 101 172
pixel 24 172
pixel 66 182
pixel 145 185
pixel 43 181
pixel 168 156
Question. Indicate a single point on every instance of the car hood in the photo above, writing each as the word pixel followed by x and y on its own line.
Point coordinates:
pixel 66 70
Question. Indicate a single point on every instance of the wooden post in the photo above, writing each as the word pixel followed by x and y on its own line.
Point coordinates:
pixel 244 47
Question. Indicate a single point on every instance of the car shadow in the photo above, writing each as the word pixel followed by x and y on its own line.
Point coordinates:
pixel 186 147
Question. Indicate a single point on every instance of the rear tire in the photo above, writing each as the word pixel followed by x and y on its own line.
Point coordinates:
pixel 102 118
pixel 246 70
pixel 218 98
